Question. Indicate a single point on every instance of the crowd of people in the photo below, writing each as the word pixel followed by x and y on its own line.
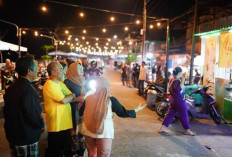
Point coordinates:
pixel 136 75
pixel 74 120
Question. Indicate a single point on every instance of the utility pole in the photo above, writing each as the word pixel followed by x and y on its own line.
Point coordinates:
pixel 144 28
pixel 19 40
pixel 54 41
pixel 18 34
pixel 167 54
pixel 193 43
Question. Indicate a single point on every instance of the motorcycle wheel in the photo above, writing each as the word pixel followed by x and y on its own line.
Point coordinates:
pixel 162 109
pixel 145 94
pixel 190 116
pixel 214 115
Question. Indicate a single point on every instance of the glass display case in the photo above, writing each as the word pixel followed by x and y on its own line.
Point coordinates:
pixel 227 110
pixel 228 89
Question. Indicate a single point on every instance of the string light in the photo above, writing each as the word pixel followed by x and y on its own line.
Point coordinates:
pixel 87 42
pixel 104 30
pixel 97 39
pixel 36 33
pixel 158 24
pixel 76 39
pixel 66 32
pixel 109 40
pixel 115 36
pixel 126 28
pixel 83 38
pixel 112 18
pixel 137 22
pixel 24 32
pixel 151 26
pixel 81 14
pixel 84 31
pixel 44 8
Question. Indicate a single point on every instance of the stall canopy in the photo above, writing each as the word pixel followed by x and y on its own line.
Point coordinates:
pixel 58 53
pixel 70 54
pixel 12 47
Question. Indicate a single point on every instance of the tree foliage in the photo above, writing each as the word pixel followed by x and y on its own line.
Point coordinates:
pixel 46 48
pixel 131 57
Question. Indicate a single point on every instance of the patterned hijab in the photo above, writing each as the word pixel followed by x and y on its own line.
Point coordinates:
pixel 96 106
pixel 75 74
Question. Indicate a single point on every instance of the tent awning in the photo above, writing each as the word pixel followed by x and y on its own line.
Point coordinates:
pixel 58 53
pixel 12 47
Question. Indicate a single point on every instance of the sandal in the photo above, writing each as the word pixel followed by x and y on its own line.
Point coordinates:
pixel 190 133
pixel 165 131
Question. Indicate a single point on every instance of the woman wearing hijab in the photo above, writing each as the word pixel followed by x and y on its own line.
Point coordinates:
pixel 75 82
pixel 177 103
pixel 98 125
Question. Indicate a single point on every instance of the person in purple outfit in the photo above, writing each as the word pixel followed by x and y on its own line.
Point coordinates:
pixel 177 103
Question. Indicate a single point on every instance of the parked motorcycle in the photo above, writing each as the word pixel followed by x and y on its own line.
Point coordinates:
pixel 208 104
pixel 153 86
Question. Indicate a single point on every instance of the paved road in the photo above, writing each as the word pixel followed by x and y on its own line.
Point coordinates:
pixel 139 138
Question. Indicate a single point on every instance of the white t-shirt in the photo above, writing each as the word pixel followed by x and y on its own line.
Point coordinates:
pixel 142 73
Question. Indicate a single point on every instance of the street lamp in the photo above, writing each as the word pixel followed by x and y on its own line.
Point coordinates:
pixel 19 34
pixel 54 40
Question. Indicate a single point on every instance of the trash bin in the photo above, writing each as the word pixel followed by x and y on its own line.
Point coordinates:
pixel 151 98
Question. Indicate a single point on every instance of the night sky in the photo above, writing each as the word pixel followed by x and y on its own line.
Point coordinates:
pixel 27 14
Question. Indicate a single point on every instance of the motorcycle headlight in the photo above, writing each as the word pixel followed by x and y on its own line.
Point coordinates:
pixel 92 84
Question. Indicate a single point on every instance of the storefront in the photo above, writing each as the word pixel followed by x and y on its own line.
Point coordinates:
pixel 216 49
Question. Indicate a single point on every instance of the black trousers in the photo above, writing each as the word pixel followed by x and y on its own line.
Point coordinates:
pixel 141 87
pixel 57 144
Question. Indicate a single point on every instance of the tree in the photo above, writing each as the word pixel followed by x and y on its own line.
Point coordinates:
pixel 131 57
pixel 46 48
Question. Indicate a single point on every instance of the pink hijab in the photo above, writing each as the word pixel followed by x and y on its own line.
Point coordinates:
pixel 96 106
pixel 75 74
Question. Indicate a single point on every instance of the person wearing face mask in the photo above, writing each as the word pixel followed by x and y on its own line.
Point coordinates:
pixel 57 99
pixel 177 103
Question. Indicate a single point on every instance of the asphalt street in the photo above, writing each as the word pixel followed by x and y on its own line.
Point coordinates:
pixel 140 138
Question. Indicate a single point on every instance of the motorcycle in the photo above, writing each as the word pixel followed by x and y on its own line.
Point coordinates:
pixel 208 104
pixel 162 106
pixel 151 86
pixel 157 92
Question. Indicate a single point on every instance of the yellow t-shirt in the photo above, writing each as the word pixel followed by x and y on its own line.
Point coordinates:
pixel 58 116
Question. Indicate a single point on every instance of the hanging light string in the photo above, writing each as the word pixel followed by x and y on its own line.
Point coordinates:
pixel 92 26
pixel 97 9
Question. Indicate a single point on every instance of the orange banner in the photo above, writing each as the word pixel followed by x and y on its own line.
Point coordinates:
pixel 210 59
pixel 225 52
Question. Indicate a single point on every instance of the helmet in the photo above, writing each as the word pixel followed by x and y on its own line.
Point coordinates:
pixel 93 63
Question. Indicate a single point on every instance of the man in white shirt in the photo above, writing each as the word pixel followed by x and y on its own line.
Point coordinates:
pixel 142 77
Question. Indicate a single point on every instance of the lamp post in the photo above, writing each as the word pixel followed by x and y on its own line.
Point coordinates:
pixel 54 40
pixel 193 43
pixel 19 34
